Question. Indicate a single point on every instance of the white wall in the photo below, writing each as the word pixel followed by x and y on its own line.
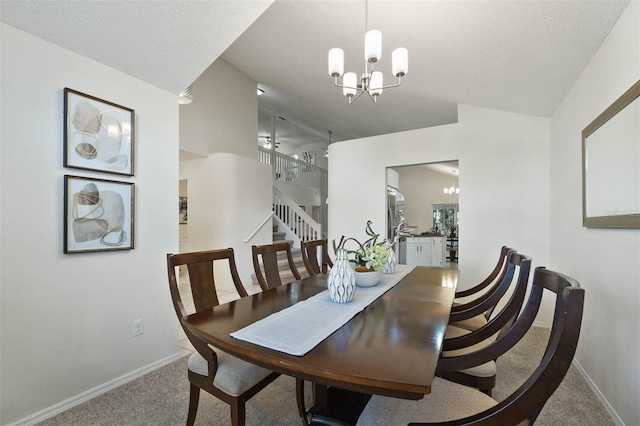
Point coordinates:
pixel 504 184
pixel 229 190
pixel 422 188
pixel 605 261
pixel 304 197
pixel 223 116
pixel 229 196
pixel 67 319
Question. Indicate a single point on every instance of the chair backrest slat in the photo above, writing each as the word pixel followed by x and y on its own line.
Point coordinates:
pixel 200 268
pixel 504 251
pixel 202 285
pixel 501 322
pixel 268 275
pixel 310 256
pixel 491 298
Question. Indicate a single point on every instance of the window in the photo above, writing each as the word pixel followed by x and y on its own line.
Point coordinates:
pixel 445 218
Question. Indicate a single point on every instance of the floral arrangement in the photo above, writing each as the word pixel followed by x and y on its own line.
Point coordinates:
pixel 401 231
pixel 369 256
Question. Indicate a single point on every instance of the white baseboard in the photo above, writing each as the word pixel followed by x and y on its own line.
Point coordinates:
pixel 614 416
pixel 92 393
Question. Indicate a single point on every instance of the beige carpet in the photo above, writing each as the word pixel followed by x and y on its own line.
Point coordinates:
pixel 161 397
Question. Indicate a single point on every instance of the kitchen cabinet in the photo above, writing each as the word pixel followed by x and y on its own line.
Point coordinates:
pixel 423 251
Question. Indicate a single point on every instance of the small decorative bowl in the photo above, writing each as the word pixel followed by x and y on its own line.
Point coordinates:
pixel 367 279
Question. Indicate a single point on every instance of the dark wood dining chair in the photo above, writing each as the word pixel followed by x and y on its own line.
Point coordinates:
pixel 482 292
pixel 459 341
pixel 267 256
pixel 450 403
pixel 309 251
pixel 268 276
pixel 226 377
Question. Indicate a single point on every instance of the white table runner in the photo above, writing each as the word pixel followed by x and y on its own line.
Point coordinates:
pixel 301 327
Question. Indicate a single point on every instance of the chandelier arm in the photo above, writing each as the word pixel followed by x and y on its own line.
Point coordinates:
pixel 393 85
pixel 357 96
pixel 342 85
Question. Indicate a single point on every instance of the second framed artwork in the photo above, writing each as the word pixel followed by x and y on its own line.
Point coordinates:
pixel 98 215
pixel 98 134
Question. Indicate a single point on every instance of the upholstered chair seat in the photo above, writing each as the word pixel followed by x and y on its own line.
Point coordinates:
pixel 234 376
pixel 488 369
pixel 471 323
pixel 448 401
pixel 452 332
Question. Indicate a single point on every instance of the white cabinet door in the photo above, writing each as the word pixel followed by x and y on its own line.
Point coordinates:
pixel 425 251
pixel 437 250
pixel 424 254
pixel 419 253
pixel 412 254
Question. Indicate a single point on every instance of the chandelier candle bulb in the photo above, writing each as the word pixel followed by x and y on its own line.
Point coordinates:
pixel 400 61
pixel 376 83
pixel 350 81
pixel 336 62
pixel 373 46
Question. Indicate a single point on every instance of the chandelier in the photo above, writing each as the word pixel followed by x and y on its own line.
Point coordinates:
pixel 371 82
pixel 453 189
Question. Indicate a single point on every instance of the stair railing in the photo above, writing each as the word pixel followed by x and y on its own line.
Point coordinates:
pixel 298 222
pixel 246 240
pixel 288 169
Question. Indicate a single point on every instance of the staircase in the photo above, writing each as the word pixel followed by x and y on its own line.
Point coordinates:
pixel 283 265
pixel 292 171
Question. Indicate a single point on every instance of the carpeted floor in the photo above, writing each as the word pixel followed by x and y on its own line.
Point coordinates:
pixel 161 397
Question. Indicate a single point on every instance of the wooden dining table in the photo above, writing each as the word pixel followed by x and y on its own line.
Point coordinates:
pixel 390 348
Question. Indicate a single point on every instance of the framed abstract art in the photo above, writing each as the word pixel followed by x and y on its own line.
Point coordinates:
pixel 98 134
pixel 98 215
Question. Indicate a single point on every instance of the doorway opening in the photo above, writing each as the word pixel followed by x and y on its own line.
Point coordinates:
pixel 429 207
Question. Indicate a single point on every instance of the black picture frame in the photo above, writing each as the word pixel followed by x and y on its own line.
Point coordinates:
pixel 98 135
pixel 98 215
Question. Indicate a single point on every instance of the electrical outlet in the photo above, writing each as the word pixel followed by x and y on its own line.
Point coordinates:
pixel 138 327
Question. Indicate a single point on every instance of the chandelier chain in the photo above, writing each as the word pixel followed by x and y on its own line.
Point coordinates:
pixel 366 16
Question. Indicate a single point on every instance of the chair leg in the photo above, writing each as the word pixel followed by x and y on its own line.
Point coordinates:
pixel 237 413
pixel 302 410
pixel 300 396
pixel 487 391
pixel 194 397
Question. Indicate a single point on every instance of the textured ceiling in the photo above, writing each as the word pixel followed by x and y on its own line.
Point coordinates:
pixel 165 43
pixel 519 55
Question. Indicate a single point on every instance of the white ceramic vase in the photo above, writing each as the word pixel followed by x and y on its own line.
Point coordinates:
pixel 341 281
pixel 390 266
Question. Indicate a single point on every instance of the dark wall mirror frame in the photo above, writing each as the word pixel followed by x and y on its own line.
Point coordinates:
pixel 615 217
